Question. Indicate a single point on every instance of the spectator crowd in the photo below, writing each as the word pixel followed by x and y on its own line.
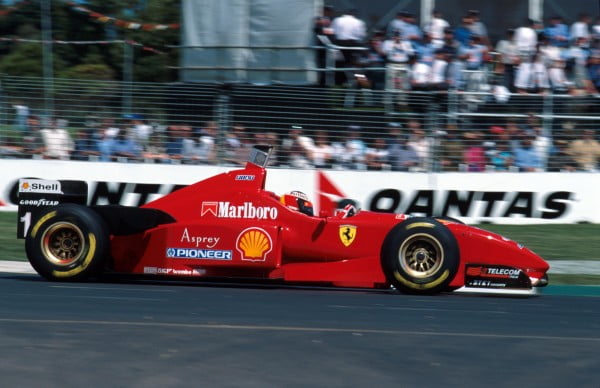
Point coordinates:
pixel 530 58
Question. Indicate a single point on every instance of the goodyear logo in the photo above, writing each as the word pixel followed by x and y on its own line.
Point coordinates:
pixel 193 253
pixel 254 244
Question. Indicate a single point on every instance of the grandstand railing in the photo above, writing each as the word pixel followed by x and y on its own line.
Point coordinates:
pixel 246 114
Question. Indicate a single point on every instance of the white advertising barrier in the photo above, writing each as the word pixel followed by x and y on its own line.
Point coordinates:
pixel 509 198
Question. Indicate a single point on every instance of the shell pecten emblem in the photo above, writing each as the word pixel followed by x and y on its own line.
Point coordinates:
pixel 347 234
pixel 254 244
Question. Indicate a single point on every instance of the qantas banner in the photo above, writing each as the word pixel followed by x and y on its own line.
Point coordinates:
pixel 508 198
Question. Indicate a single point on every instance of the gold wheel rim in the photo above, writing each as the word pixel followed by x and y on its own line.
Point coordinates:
pixel 63 243
pixel 421 255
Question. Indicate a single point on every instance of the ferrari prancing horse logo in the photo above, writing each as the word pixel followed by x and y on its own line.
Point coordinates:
pixel 347 234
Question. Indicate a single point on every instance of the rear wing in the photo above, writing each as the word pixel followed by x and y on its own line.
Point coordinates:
pixel 37 194
pixel 260 154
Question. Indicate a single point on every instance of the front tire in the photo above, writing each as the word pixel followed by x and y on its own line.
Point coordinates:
pixel 420 256
pixel 69 242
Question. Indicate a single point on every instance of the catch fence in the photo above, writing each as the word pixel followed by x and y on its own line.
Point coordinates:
pixel 341 128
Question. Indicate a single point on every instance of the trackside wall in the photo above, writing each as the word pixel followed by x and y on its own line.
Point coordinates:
pixel 509 198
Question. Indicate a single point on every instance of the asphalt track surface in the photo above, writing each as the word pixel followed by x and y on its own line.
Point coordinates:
pixel 150 333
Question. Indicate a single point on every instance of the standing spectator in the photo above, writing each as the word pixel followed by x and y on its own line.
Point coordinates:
pixel 396 25
pixel 577 55
pixel 440 76
pixel 321 155
pixel 398 53
pixel 324 34
pixel 509 59
pixel 532 76
pixel 86 146
pixel 585 151
pixel 124 148
pixel 420 143
pixel 33 144
pixel 452 149
pixel 21 115
pixel 141 131
pixel 295 149
pixel 233 144
pixel 580 29
pixel 557 32
pixel 596 29
pixel 478 28
pixel 526 39
pixel 349 32
pixel 462 33
pixel 411 32
pixel 374 57
pixel 594 71
pixel 57 141
pixel 436 27
pixel 155 150
pixel 205 149
pixel 354 149
pixel 426 50
pixel 526 156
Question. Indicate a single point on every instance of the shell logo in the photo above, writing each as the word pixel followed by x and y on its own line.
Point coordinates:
pixel 25 186
pixel 254 244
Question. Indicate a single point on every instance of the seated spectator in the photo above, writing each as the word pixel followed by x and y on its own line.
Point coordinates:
pixel 86 147
pixel 474 156
pixel 560 160
pixel 141 131
pixel 377 155
pixel 401 157
pixel 526 156
pixel 502 158
pixel 321 154
pixel 57 141
pixel 155 150
pixel 585 151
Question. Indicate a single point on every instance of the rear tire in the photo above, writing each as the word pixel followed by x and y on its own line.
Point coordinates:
pixel 69 242
pixel 420 256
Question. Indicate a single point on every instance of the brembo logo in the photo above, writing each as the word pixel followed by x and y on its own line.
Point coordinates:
pixel 246 210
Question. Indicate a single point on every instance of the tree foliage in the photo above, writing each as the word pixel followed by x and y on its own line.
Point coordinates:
pixel 104 60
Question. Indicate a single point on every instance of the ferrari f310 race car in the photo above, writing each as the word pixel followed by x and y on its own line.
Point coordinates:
pixel 228 226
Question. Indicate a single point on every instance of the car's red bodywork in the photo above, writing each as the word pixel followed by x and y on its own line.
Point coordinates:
pixel 230 226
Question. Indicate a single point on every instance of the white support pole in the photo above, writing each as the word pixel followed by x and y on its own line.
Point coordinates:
pixel 536 9
pixel 426 9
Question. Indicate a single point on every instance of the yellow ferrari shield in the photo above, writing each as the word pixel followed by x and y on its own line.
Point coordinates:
pixel 347 234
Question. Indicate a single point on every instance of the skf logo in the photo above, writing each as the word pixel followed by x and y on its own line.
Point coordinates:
pixel 347 234
pixel 254 244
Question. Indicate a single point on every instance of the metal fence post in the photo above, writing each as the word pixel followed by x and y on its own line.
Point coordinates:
pixel 222 116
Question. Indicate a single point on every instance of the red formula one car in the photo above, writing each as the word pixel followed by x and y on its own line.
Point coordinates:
pixel 229 226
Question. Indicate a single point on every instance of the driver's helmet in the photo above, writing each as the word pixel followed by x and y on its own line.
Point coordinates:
pixel 297 200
